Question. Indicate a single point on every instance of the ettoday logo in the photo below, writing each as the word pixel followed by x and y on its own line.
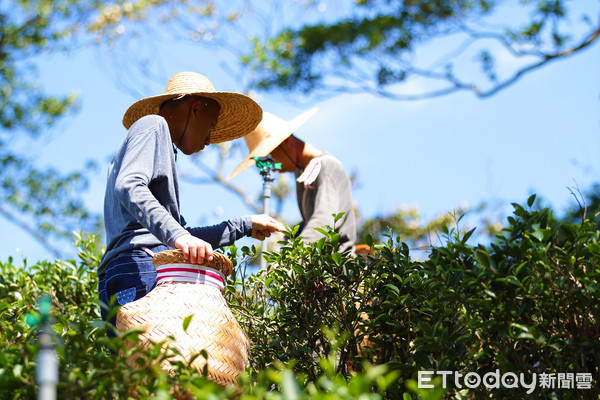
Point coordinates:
pixel 509 380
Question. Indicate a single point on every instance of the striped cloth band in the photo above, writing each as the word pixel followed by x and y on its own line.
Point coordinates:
pixel 180 272
pixel 311 171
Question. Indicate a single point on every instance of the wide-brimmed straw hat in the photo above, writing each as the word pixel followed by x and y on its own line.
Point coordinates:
pixel 269 134
pixel 239 114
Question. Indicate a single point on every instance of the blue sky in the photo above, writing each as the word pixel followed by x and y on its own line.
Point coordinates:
pixel 542 135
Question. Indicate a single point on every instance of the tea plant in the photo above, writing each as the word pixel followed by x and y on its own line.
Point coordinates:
pixel 326 325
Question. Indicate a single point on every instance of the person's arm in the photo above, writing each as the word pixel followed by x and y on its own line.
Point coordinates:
pixel 144 150
pixel 227 232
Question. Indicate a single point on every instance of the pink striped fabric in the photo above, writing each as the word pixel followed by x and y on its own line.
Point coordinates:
pixel 180 272
pixel 311 172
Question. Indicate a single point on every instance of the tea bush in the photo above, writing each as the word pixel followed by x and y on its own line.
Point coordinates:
pixel 93 366
pixel 528 303
pixel 327 326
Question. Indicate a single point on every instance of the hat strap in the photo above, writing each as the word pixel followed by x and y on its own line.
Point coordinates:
pixel 184 128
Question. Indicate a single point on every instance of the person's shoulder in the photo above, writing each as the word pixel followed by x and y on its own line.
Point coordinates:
pixel 149 122
pixel 323 168
pixel 333 170
pixel 328 160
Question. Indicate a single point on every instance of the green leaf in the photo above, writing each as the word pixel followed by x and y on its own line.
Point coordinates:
pixel 186 322
pixel 467 235
pixel 337 257
pixel 295 230
pixel 538 234
pixel 392 287
pixel 520 267
pixel 483 258
pixel 511 280
pixel 323 231
pixel 369 240
pixel 289 386
pixel 337 217
pixel 319 244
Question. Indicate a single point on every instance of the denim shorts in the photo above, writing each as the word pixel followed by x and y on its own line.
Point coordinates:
pixel 129 276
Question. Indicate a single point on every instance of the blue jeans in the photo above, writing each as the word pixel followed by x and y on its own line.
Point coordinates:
pixel 129 276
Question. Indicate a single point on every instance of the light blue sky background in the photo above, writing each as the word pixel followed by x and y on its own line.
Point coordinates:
pixel 541 135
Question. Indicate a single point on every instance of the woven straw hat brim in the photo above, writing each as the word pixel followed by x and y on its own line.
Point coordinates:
pixel 239 114
pixel 269 134
pixel 263 150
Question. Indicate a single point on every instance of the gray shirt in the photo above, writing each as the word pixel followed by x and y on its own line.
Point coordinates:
pixel 327 191
pixel 141 202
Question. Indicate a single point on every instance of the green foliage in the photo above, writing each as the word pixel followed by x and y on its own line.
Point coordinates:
pixel 588 205
pixel 395 27
pixel 44 202
pixel 29 28
pixel 90 367
pixel 405 223
pixel 325 325
pixel 323 48
pixel 94 366
pixel 377 44
pixel 527 303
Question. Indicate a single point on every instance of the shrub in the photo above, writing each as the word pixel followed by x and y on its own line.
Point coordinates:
pixel 89 366
pixel 325 325
pixel 94 366
pixel 527 303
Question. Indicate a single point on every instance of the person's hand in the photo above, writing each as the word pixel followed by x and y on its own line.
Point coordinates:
pixel 195 250
pixel 263 225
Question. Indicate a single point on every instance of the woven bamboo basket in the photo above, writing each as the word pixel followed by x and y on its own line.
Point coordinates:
pixel 213 327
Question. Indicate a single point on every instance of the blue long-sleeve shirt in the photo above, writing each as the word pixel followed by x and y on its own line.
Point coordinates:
pixel 141 202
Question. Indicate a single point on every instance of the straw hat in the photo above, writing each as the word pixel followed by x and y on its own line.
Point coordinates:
pixel 269 134
pixel 239 114
pixel 212 327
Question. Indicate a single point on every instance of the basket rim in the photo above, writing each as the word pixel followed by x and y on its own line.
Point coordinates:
pixel 220 262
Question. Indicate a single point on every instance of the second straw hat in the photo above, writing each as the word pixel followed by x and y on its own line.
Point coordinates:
pixel 238 116
pixel 269 134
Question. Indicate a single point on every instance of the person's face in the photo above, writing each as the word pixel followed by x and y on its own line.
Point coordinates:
pixel 203 119
pixel 282 154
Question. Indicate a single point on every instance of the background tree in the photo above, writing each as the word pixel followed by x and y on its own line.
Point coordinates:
pixel 43 201
pixel 378 45
pixel 587 205
pixel 372 46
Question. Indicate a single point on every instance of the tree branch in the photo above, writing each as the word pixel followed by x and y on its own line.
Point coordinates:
pixel 216 177
pixel 31 231
pixel 457 85
pixel 547 59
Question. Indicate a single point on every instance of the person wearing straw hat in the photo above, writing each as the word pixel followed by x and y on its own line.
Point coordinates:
pixel 322 185
pixel 141 204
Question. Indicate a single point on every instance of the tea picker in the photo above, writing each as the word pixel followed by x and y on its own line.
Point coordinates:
pixel 265 166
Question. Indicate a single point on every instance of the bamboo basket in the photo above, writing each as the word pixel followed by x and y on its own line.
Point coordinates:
pixel 161 313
